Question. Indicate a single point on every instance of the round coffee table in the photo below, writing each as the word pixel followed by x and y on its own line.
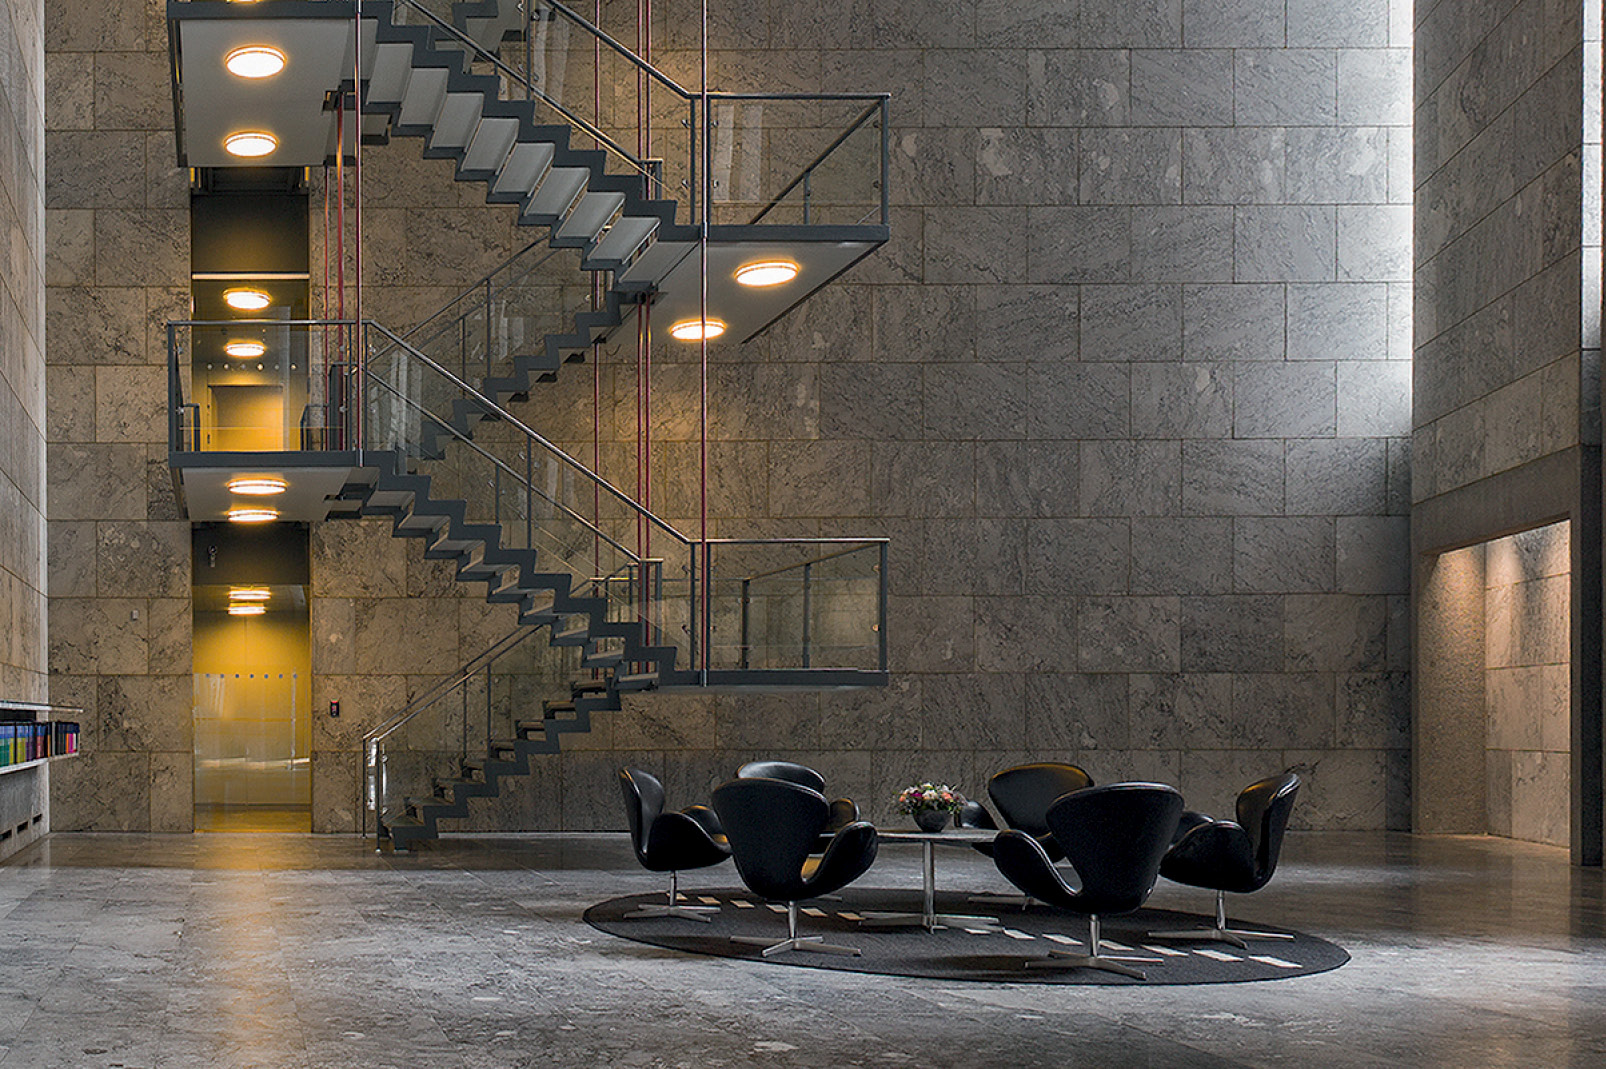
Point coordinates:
pixel 929 918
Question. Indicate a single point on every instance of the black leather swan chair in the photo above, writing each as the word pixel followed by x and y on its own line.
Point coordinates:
pixel 1240 856
pixel 773 826
pixel 1022 796
pixel 1114 838
pixel 670 842
pixel 844 811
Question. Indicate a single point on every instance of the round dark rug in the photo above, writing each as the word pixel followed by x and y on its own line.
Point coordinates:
pixel 968 954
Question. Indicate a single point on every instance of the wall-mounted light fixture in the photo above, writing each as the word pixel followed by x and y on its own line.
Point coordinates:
pixel 250 143
pixel 697 329
pixel 250 593
pixel 245 299
pixel 254 61
pixel 245 348
pixel 767 273
pixel 247 609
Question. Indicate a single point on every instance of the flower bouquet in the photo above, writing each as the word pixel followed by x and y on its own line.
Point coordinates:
pixel 930 804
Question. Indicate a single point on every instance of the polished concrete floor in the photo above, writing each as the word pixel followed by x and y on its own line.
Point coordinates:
pixel 232 950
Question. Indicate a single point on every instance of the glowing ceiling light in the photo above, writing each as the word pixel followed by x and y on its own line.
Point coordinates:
pixel 245 348
pixel 250 143
pixel 252 514
pixel 247 609
pixel 250 593
pixel 767 273
pixel 246 300
pixel 254 61
pixel 258 485
pixel 695 329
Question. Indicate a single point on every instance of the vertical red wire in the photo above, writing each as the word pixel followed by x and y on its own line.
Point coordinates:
pixel 596 303
pixel 329 401
pixel 702 315
pixel 356 402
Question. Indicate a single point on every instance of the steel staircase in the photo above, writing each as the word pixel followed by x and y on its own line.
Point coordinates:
pixel 437 77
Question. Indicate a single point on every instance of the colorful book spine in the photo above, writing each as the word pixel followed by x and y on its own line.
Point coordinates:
pixel 24 741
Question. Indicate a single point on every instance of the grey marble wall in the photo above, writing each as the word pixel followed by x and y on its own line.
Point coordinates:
pixel 22 360
pixel 1506 420
pixel 116 268
pixel 1507 169
pixel 1129 390
pixel 1527 683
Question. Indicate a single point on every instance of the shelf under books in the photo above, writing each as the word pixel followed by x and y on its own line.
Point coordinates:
pixel 32 734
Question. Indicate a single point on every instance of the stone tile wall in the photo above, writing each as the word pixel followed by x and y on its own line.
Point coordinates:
pixel 22 360
pixel 1128 390
pixel 1506 424
pixel 1527 683
pixel 1507 316
pixel 117 267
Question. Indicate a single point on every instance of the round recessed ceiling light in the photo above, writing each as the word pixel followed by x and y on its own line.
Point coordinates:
pixel 247 609
pixel 258 485
pixel 697 329
pixel 250 593
pixel 767 273
pixel 252 514
pixel 254 61
pixel 245 299
pixel 250 143
pixel 245 348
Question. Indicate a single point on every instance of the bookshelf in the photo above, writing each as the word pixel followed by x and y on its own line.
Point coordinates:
pixel 33 735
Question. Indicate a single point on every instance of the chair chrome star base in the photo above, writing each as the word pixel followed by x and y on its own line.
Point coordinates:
pixel 1221 933
pixel 793 941
pixel 674 908
pixel 1112 963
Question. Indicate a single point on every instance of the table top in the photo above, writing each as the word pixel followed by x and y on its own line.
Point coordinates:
pixel 957 836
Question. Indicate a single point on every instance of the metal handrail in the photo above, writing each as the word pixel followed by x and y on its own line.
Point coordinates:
pixel 175 384
pixel 503 466
pixel 864 543
pixel 445 685
pixel 528 83
pixel 513 421
pixel 876 101
pixel 476 287
pixel 803 176
pixel 636 61
pixel 854 545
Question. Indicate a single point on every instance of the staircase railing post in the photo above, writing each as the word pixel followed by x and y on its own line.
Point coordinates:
pixel 693 619
pixel 747 639
pixel 708 609
pixel 881 608
pixel 488 333
pixel 808 613
pixel 886 166
pixel 175 393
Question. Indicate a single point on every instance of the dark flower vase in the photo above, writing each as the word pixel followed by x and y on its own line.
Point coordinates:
pixel 931 820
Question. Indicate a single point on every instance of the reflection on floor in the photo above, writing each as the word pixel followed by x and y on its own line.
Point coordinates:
pixel 301 951
pixel 258 818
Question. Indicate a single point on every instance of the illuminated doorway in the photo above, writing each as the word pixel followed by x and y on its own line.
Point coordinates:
pixel 252 678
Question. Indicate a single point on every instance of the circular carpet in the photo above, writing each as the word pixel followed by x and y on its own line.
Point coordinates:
pixel 967 953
